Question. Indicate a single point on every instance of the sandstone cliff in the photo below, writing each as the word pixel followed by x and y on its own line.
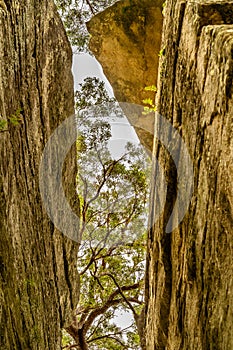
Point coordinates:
pixel 126 40
pixel 191 269
pixel 189 283
pixel 38 286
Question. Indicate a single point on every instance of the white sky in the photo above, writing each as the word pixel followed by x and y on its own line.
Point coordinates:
pixel 84 66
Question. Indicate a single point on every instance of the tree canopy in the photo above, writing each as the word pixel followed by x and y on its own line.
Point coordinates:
pixel 75 13
pixel 113 194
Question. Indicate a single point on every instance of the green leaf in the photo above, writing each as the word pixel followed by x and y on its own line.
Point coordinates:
pixel 148 101
pixel 150 88
pixel 161 52
pixel 3 124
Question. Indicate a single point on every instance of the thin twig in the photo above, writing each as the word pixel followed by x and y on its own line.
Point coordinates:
pixel 91 7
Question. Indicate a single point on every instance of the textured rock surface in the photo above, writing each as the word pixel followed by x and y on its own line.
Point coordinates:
pixel 125 38
pixel 38 286
pixel 191 270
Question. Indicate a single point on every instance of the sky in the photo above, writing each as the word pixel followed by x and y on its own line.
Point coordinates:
pixel 84 65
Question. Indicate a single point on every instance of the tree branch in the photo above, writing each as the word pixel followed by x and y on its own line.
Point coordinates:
pixel 91 7
pixel 97 256
pixel 110 302
pixel 70 346
pixel 122 294
pixel 109 335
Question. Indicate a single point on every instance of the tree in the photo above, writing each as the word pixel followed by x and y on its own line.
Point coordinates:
pixel 75 13
pixel 113 194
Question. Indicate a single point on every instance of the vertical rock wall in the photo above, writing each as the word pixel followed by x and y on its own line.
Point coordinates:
pixel 191 269
pixel 38 285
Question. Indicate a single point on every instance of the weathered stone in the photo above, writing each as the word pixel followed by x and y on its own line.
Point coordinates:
pixel 125 38
pixel 191 269
pixel 38 286
pixel 189 282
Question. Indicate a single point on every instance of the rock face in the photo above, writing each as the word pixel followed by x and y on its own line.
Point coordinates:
pixel 126 38
pixel 191 269
pixel 189 284
pixel 38 285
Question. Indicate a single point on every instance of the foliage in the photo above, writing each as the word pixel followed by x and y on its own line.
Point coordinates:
pixel 67 341
pixel 148 102
pixel 92 93
pixel 14 119
pixel 164 8
pixel 162 52
pixel 3 124
pixel 150 88
pixel 113 191
pixel 109 179
pixel 113 195
pixel 75 13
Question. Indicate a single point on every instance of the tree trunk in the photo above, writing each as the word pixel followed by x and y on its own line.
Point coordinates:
pixel 191 269
pixel 38 286
pixel 79 335
pixel 140 323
